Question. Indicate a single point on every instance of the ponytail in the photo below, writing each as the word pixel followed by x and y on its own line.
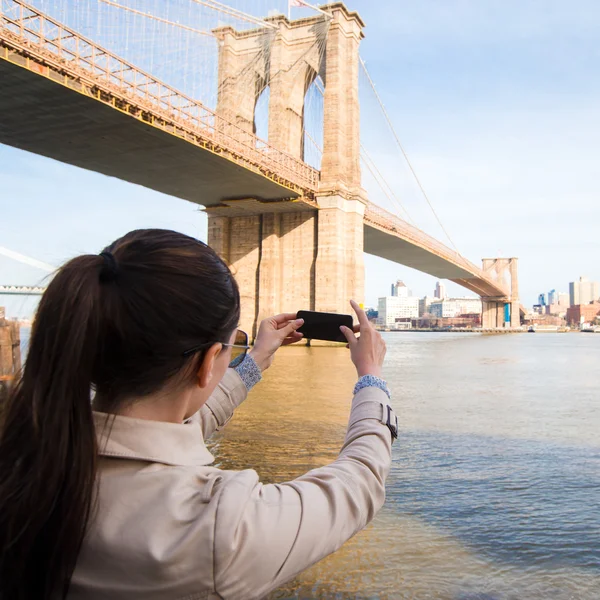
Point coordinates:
pixel 47 440
pixel 119 322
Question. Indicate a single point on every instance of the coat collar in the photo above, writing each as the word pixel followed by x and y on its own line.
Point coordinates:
pixel 151 441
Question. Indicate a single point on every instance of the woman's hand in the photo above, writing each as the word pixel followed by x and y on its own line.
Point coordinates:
pixel 367 351
pixel 273 333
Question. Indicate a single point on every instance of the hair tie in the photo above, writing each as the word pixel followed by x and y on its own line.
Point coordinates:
pixel 109 269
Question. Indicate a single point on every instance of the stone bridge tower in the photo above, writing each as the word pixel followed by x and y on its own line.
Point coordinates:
pixel 288 260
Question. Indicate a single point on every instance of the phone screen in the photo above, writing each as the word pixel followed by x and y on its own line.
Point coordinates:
pixel 323 326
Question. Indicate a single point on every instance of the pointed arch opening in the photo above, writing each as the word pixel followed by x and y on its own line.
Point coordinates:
pixel 312 120
pixel 261 113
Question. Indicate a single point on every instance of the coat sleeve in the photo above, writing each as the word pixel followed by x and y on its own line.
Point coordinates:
pixel 267 534
pixel 219 408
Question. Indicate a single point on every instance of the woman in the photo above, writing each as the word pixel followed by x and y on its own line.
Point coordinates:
pixel 120 501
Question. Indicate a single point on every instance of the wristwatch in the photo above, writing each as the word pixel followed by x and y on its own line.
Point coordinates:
pixel 389 418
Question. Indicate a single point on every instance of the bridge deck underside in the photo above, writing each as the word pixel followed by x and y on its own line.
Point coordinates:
pixel 47 118
pixel 394 248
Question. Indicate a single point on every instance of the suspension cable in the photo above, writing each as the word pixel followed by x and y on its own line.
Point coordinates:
pixel 155 18
pixel 234 12
pixel 394 199
pixel 315 144
pixel 366 163
pixel 389 122
pixel 26 260
pixel 371 166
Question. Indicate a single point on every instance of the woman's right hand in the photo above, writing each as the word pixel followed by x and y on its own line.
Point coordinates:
pixel 368 350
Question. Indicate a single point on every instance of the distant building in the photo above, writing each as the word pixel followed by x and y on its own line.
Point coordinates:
pixel 425 303
pixel 558 303
pixel 455 307
pixel 563 300
pixel 392 309
pixel 399 289
pixel 542 299
pixel 583 313
pixel 462 322
pixel 543 320
pixel 440 290
pixel 583 291
pixel 574 293
pixel 556 310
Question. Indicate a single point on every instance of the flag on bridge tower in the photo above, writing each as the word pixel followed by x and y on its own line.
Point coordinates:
pixel 303 4
pixel 294 4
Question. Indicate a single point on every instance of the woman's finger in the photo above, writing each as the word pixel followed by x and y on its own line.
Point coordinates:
pixel 293 338
pixel 295 335
pixel 356 328
pixel 283 319
pixel 288 329
pixel 349 335
pixel 360 313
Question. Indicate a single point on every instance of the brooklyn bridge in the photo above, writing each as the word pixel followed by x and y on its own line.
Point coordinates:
pixel 294 234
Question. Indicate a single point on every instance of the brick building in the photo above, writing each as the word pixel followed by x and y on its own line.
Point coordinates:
pixel 583 313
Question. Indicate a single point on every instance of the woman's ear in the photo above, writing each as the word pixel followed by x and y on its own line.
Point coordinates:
pixel 205 371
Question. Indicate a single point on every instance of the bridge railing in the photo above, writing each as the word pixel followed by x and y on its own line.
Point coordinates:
pixel 32 31
pixel 22 290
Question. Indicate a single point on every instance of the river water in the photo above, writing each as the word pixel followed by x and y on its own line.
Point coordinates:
pixel 494 491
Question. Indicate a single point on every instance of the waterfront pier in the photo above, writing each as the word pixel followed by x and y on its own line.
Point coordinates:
pixel 10 352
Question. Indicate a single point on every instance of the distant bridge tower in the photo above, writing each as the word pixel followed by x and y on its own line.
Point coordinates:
pixel 310 259
pixel 505 312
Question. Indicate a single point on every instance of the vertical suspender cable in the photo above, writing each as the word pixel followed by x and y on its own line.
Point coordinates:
pixel 389 122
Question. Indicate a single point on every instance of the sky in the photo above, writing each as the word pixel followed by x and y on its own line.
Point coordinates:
pixel 496 103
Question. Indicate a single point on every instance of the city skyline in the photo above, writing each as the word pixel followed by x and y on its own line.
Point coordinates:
pixel 581 291
pixel 23 307
pixel 440 284
pixel 403 310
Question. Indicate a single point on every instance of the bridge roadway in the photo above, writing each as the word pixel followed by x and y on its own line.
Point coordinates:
pixel 64 97
pixel 21 290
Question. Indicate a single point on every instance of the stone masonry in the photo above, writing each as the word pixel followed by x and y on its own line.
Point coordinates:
pixel 288 261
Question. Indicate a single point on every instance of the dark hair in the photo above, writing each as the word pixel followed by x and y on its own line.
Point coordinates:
pixel 117 326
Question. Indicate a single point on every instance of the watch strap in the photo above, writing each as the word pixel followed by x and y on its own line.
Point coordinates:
pixel 389 418
pixel 378 410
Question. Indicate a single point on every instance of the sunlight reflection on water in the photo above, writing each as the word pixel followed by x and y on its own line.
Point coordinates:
pixel 494 492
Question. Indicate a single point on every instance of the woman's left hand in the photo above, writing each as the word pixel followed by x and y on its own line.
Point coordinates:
pixel 273 333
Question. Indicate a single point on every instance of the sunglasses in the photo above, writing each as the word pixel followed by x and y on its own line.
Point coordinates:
pixel 239 348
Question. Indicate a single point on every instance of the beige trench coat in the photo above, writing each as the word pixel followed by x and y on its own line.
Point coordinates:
pixel 170 527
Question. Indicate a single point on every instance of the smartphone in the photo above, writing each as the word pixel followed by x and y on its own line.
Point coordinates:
pixel 323 326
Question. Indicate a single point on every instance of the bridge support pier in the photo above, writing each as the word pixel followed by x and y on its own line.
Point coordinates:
pixel 493 314
pixel 340 271
pixel 285 262
pixel 272 257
